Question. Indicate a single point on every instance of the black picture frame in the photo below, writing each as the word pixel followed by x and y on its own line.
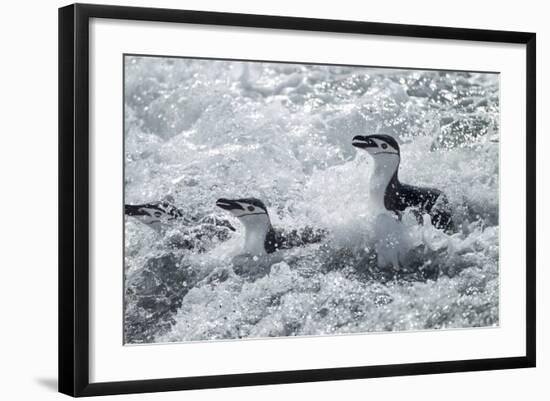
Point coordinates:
pixel 74 198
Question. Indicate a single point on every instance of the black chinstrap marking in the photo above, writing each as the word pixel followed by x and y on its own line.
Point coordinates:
pixel 252 214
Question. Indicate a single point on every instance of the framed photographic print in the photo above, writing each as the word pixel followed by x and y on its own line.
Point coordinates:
pixel 251 199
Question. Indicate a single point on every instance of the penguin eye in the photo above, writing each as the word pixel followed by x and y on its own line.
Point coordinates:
pixel 250 208
pixel 384 146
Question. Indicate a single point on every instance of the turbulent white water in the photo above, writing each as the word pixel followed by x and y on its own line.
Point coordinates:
pixel 200 130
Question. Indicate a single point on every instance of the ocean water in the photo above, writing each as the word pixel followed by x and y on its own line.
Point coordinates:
pixel 199 130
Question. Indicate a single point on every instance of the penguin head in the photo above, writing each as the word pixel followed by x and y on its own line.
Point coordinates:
pixel 378 146
pixel 244 209
pixel 251 212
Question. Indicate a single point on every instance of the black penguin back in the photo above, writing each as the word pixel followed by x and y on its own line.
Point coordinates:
pixel 432 201
pixel 278 239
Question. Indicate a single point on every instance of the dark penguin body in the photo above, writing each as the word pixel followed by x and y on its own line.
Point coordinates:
pixel 397 196
pixel 260 236
pixel 278 239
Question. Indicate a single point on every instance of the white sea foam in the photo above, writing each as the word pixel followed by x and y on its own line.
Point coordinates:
pixel 201 130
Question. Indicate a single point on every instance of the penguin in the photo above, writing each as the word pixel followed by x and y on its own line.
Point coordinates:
pixel 388 192
pixel 156 215
pixel 260 236
pixel 191 233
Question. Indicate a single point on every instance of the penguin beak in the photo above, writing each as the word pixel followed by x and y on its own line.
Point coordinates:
pixel 228 204
pixel 132 210
pixel 363 142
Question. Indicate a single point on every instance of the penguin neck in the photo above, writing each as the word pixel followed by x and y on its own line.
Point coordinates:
pixel 256 229
pixel 384 176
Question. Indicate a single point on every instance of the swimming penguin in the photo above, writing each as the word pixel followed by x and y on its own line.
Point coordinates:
pixel 387 191
pixel 192 233
pixel 260 236
pixel 155 214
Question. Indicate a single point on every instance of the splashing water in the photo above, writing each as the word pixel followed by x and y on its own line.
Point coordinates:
pixel 200 130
